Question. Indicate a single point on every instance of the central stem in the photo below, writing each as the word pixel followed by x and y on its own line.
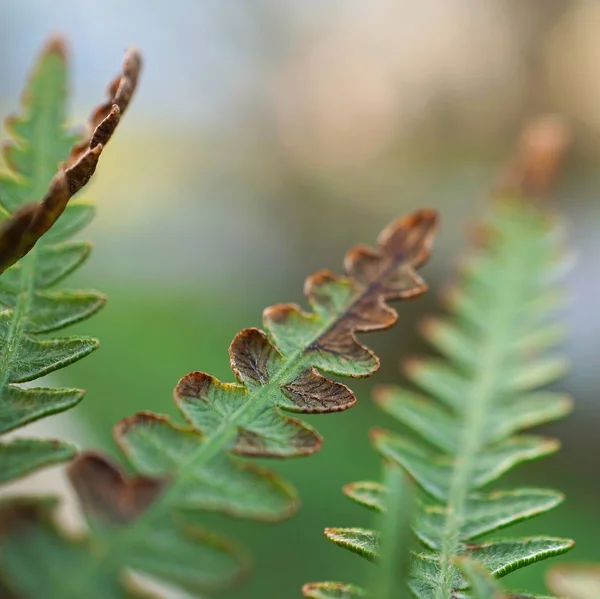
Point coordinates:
pixel 479 404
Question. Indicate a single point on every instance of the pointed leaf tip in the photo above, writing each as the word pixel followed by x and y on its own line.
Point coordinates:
pixel 56 44
pixel 362 541
pixel 412 235
pixel 19 234
pixel 357 302
pixel 332 590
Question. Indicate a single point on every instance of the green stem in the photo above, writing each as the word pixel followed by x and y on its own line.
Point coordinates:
pixel 389 581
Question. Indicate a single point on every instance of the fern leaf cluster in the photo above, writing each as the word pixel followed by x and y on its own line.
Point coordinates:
pixel 498 347
pixel 46 161
pixel 151 521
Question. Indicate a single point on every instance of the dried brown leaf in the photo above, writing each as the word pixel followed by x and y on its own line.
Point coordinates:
pixel 21 231
pixel 106 493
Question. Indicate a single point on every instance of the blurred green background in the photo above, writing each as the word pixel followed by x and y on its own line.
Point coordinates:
pixel 266 139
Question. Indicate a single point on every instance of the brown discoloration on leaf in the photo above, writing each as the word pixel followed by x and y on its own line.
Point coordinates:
pixel 78 174
pixel 105 117
pixel 106 128
pixel 377 275
pixel 304 442
pixel 19 234
pixel 145 418
pixel 106 493
pixel 286 362
pixel 312 393
pixel 195 384
pixel 198 386
pixel 251 355
pixel 249 443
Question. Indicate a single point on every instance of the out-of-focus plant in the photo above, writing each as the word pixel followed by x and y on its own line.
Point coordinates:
pixel 499 346
pixel 48 165
pixel 148 521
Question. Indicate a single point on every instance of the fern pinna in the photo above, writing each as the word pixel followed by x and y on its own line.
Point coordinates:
pixel 150 522
pixel 499 346
pixel 49 163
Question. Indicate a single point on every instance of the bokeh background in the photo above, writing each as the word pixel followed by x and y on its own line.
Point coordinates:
pixel 267 137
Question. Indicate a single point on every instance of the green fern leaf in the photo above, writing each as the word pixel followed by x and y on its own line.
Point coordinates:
pixel 498 347
pixel 49 162
pixel 150 522
pixel 332 590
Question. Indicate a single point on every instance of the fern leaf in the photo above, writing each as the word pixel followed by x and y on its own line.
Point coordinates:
pixel 150 522
pixel 332 590
pixel 49 162
pixel 487 392
pixel 498 346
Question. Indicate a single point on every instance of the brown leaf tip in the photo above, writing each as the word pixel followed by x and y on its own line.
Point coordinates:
pixel 542 147
pixel 106 128
pixel 317 279
pixel 251 355
pixel 429 326
pixel 412 364
pixel 145 418
pixel 279 313
pixel 195 384
pixel 377 433
pixel 19 235
pixel 411 236
pixel 56 44
pixel 382 394
pixel 106 493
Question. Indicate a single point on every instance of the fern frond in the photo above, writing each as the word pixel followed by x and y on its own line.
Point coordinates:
pixel 499 346
pixel 151 521
pixel 49 162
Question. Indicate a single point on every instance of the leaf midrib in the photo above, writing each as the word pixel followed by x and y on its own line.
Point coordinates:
pixel 40 148
pixel 485 381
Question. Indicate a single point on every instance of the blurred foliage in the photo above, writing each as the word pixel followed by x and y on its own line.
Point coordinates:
pixel 192 330
pixel 457 89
